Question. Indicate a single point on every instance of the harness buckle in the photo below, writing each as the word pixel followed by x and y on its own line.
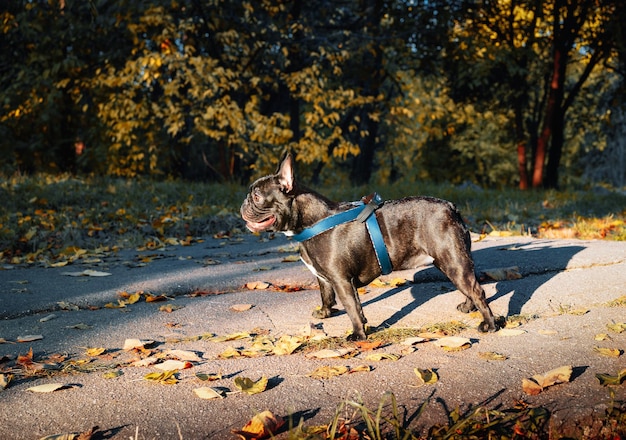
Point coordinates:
pixel 372 202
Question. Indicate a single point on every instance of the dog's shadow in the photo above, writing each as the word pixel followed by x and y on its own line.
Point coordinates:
pixel 537 261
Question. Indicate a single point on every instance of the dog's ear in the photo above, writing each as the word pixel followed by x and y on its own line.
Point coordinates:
pixel 285 174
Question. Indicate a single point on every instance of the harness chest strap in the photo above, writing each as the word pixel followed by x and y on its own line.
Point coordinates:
pixel 363 213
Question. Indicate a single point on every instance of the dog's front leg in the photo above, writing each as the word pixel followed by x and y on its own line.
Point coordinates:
pixel 328 299
pixel 349 297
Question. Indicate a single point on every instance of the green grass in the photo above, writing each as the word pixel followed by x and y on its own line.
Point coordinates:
pixel 353 419
pixel 48 218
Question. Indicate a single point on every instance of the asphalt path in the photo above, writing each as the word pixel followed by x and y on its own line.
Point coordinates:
pixel 564 294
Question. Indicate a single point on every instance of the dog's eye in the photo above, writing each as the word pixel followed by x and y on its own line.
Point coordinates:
pixel 256 197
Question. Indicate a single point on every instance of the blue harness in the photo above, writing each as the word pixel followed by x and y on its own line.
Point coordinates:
pixel 363 213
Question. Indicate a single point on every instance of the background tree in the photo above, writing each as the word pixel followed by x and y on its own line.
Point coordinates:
pixel 218 89
pixel 518 55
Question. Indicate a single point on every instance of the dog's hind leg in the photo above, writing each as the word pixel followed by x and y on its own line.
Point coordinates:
pixel 460 270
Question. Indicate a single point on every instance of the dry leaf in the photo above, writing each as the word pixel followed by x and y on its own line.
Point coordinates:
pixel 491 356
pixel 578 312
pixel 5 379
pixel 112 374
pixel 169 308
pixel 610 352
pixel 208 393
pixel 172 364
pixel 378 283
pixel 607 379
pixel 132 299
pixel 368 345
pixel 261 426
pixel 538 382
pixel 257 285
pixel 131 344
pixel 67 306
pixel 183 355
pixel 327 372
pixel 413 341
pixel 382 357
pixel 29 338
pixel 146 362
pixel 231 337
pixel 291 258
pixel 208 377
pixel 95 351
pixel 453 343
pixel 48 318
pixel 70 436
pixel 229 353
pixel 601 337
pixel 155 298
pixel 120 305
pixel 286 345
pixel 249 386
pixel 425 377
pixel 618 327
pixel 241 307
pixel 330 353
pixel 360 369
pixel 47 388
pixel 87 273
pixel 166 377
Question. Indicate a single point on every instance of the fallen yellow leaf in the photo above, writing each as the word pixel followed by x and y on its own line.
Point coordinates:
pixel 95 351
pixel 609 352
pixel 166 377
pixel 249 386
pixel 330 353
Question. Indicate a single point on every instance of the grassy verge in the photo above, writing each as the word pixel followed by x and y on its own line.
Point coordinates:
pixel 389 421
pixel 49 218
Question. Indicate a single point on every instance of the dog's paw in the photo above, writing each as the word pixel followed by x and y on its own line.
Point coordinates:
pixel 322 313
pixel 485 327
pixel 361 336
pixel 466 307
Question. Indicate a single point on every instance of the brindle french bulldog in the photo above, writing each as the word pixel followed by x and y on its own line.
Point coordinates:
pixel 343 258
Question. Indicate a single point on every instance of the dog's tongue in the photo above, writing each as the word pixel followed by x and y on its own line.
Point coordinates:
pixel 261 226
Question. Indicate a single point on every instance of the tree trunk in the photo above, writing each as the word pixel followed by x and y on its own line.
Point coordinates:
pixel 551 179
pixel 552 115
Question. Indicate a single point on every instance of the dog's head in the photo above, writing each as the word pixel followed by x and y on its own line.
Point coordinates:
pixel 268 204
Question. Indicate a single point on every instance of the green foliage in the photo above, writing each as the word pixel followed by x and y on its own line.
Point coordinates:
pixel 218 90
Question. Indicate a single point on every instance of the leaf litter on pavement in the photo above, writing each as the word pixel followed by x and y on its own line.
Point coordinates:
pixel 167 363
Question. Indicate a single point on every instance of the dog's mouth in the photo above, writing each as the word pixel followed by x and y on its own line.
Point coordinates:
pixel 262 225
